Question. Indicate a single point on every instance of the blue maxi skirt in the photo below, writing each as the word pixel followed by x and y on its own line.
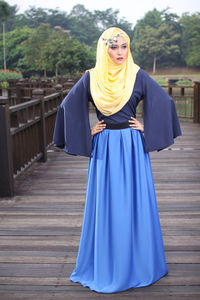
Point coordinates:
pixel 121 244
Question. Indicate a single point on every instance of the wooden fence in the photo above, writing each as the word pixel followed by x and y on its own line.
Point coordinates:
pixel 26 129
pixel 21 91
pixel 187 101
pixel 26 132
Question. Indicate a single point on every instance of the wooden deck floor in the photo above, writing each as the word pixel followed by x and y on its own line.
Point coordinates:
pixel 40 227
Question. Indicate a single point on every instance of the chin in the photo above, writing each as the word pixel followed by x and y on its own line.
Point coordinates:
pixel 119 62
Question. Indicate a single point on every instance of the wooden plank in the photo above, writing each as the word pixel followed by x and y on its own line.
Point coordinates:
pixel 31 241
pixel 64 270
pixel 170 280
pixel 40 227
pixel 91 295
pixel 37 257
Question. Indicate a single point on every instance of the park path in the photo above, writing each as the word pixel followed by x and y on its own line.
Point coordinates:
pixel 40 227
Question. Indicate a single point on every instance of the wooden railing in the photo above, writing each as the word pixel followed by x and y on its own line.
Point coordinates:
pixel 22 91
pixel 26 129
pixel 26 132
pixel 187 101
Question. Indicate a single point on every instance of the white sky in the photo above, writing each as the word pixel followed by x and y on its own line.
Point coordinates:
pixel 132 10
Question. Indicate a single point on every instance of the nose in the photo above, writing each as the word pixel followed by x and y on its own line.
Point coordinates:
pixel 119 51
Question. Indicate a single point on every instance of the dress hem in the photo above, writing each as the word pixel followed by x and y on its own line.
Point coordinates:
pixel 114 292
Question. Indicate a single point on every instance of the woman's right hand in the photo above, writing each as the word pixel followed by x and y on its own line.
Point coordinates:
pixel 100 126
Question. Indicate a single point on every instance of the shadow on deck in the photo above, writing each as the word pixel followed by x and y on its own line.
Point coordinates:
pixel 40 227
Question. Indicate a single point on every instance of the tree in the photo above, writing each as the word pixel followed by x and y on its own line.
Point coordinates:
pixel 109 18
pixel 33 47
pixel 15 47
pixel 157 43
pixel 87 26
pixel 82 25
pixel 11 21
pixel 63 54
pixel 33 17
pixel 156 37
pixel 191 39
pixel 4 15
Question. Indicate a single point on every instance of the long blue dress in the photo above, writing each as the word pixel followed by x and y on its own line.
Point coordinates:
pixel 121 242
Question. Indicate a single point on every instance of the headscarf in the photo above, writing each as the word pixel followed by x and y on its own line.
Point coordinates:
pixel 112 84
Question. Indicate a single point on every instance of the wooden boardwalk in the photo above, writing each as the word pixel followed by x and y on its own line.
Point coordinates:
pixel 40 227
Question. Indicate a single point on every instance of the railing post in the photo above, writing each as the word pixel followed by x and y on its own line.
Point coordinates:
pixel 18 92
pixel 6 159
pixel 39 94
pixel 196 118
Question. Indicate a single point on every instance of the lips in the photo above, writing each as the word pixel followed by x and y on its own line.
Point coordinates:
pixel 120 58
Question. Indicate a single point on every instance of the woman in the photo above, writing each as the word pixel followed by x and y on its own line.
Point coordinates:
pixel 121 242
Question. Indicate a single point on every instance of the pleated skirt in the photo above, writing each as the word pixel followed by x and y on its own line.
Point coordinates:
pixel 121 244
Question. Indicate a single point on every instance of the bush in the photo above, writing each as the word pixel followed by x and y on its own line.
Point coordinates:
pixel 161 81
pixel 186 82
pixel 4 84
pixel 9 74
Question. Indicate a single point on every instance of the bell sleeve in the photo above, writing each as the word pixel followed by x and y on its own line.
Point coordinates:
pixel 72 128
pixel 161 123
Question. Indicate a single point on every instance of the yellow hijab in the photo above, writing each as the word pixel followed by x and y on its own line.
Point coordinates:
pixel 111 84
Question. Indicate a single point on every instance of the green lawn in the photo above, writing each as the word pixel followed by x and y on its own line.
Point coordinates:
pixel 184 104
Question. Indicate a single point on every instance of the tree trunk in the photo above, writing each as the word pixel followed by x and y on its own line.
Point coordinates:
pixel 45 73
pixel 4 45
pixel 56 71
pixel 154 65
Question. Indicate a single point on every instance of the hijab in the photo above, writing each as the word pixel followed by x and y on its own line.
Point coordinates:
pixel 112 84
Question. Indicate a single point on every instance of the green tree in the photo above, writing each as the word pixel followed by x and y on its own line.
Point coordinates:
pixel 191 39
pixel 33 17
pixel 83 26
pixel 157 43
pixel 87 26
pixel 4 15
pixel 33 47
pixel 63 54
pixel 157 38
pixel 15 47
pixel 109 18
pixel 11 21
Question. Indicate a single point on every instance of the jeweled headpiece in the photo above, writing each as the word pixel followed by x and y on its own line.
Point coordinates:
pixel 110 41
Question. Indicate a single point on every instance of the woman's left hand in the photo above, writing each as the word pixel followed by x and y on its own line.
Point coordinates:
pixel 135 124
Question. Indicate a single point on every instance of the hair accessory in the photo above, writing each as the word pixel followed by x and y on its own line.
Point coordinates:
pixel 110 41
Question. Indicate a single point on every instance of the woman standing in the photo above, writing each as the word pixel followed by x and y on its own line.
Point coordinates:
pixel 121 241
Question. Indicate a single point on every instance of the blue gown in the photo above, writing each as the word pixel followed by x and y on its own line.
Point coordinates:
pixel 121 244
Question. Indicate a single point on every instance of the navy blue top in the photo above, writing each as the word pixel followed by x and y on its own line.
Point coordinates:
pixel 161 125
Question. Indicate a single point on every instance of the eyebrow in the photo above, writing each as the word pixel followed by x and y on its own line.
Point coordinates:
pixel 121 44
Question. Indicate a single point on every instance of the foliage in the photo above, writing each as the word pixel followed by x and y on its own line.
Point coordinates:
pixel 63 54
pixel 11 13
pixel 191 39
pixel 55 41
pixel 161 81
pixel 33 47
pixel 9 74
pixel 4 84
pixel 53 50
pixel 185 82
pixel 4 11
pixel 156 38
pixel 15 47
pixel 87 26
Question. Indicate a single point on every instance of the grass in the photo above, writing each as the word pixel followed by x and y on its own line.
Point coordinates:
pixel 184 105
pixel 185 74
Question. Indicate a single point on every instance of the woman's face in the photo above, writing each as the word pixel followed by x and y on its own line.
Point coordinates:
pixel 118 51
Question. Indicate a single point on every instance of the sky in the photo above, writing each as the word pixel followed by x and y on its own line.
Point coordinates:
pixel 132 12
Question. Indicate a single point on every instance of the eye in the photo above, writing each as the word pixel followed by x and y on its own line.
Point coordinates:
pixel 113 47
pixel 124 46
